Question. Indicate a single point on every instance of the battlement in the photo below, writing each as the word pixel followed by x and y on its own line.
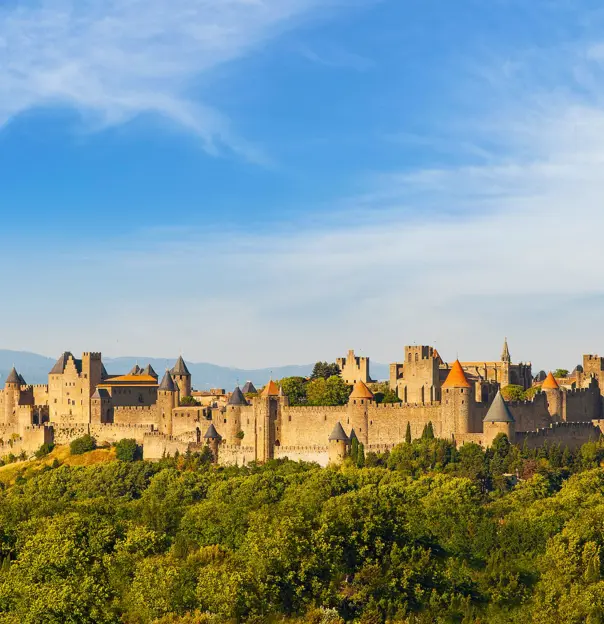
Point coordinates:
pixel 93 355
pixel 134 408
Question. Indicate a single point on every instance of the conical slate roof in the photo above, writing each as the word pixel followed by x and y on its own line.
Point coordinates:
pixel 101 394
pixel 212 434
pixel 361 391
pixel 237 397
pixel 499 411
pixel 550 383
pixel 13 377
pixel 167 383
pixel 271 389
pixel 338 433
pixel 353 435
pixel 249 388
pixel 180 368
pixel 456 378
pixel 136 370
pixel 148 370
pixel 22 380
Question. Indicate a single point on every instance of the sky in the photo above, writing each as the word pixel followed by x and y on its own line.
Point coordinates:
pixel 265 182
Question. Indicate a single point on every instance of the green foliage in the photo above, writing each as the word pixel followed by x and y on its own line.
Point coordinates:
pixel 127 450
pixel 295 389
pixel 513 393
pixel 240 435
pixel 44 450
pixel 323 370
pixel 408 437
pixel 188 401
pixel 426 533
pixel 331 391
pixel 428 432
pixel 383 393
pixel 82 445
pixel 561 372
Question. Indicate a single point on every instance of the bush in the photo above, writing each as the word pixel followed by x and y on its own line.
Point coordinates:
pixel 44 450
pixel 188 401
pixel 127 450
pixel 82 445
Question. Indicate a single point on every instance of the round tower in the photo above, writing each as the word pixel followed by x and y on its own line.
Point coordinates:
pixel 12 391
pixel 182 377
pixel 553 394
pixel 233 416
pixel 455 403
pixel 338 445
pixel 213 439
pixel 360 400
pixel 268 410
pixel 498 420
pixel 167 399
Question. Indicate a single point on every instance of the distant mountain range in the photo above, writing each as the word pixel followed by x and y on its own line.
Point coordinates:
pixel 35 368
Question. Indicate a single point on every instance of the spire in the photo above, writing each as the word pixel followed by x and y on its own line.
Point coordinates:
pixel 271 389
pixel 180 368
pixel 505 354
pixel 456 378
pixel 550 383
pixel 361 391
pixel 338 434
pixel 136 370
pixel 13 377
pixel 212 434
pixel 237 397
pixel 167 383
pixel 499 411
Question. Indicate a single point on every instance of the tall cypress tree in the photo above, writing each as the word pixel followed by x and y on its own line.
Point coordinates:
pixel 361 455
pixel 408 433
pixel 354 450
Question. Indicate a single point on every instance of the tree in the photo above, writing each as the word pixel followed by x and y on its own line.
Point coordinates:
pixel 428 432
pixel 295 389
pixel 354 450
pixel 82 445
pixel 44 450
pixel 561 372
pixel 361 455
pixel 332 391
pixel 323 370
pixel 513 392
pixel 408 437
pixel 127 450
pixel 188 401
pixel 383 393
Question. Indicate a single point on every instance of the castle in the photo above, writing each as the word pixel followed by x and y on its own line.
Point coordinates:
pixel 462 400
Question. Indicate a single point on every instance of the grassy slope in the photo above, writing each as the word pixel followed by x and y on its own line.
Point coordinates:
pixel 10 472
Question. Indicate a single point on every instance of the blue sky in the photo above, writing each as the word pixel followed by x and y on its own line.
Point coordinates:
pixel 262 182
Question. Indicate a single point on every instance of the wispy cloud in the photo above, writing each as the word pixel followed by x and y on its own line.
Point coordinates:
pixel 112 60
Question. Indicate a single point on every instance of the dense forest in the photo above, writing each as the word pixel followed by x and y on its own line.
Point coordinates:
pixel 427 533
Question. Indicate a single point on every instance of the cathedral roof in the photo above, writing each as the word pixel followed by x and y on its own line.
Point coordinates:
pixel 212 434
pixel 13 377
pixel 59 367
pixel 237 397
pixel 249 388
pixel 550 383
pixel 167 383
pixel 505 355
pixel 361 391
pixel 456 377
pixel 499 411
pixel 271 389
pixel 338 433
pixel 180 368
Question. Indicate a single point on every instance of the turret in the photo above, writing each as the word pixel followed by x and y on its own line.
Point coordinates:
pixel 498 420
pixel 268 419
pixel 12 391
pixel 233 416
pixel 101 411
pixel 338 445
pixel 455 404
pixel 213 439
pixel 182 377
pixel 92 375
pixel 554 397
pixel 361 398
pixel 167 399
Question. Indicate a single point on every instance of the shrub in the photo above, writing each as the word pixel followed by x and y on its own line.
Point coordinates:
pixel 127 450
pixel 82 445
pixel 44 450
pixel 188 400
